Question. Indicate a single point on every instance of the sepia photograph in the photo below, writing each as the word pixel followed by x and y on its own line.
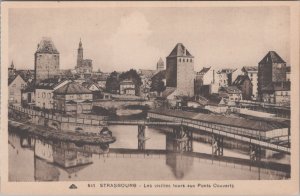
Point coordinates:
pixel 179 97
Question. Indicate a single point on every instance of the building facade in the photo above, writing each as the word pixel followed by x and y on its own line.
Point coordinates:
pixel 230 94
pixel 84 66
pixel 252 72
pixel 73 98
pixel 225 77
pixel 272 68
pixel 127 87
pixel 46 60
pixel 243 82
pixel 15 86
pixel 44 92
pixel 180 71
pixel 277 93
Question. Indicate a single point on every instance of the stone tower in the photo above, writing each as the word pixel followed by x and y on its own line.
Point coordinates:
pixel 160 65
pixel 272 68
pixel 46 60
pixel 79 54
pixel 180 71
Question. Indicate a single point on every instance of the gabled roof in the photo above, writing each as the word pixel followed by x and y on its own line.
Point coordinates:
pixel 180 50
pixel 49 83
pixel 12 78
pixel 271 57
pixel 204 70
pixel 72 88
pixel 250 69
pixel 26 74
pixel 240 79
pixel 160 61
pixel 46 45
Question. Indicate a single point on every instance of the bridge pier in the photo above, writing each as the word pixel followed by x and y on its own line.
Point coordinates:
pixel 217 145
pixel 183 139
pixel 255 152
pixel 141 137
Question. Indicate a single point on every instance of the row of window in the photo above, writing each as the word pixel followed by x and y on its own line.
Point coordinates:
pixel 185 60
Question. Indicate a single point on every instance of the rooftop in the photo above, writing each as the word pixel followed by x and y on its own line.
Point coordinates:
pixel 180 50
pixel 240 79
pixel 72 88
pixel 231 89
pixel 271 57
pixel 204 70
pixel 49 83
pixel 250 69
pixel 46 45
pixel 224 120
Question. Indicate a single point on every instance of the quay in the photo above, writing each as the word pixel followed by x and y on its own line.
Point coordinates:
pixel 52 134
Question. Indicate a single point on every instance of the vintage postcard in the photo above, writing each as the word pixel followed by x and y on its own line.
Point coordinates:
pixel 183 98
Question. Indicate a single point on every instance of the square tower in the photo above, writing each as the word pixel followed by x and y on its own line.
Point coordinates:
pixel 272 68
pixel 46 60
pixel 180 71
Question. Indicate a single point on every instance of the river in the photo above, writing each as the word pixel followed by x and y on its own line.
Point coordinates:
pixel 41 160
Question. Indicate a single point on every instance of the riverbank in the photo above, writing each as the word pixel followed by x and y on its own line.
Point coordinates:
pixel 53 134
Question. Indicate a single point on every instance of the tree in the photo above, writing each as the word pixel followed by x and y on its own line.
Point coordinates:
pixel 158 83
pixel 134 77
pixel 112 82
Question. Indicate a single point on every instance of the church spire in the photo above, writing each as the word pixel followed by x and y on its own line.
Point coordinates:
pixel 12 65
pixel 80 43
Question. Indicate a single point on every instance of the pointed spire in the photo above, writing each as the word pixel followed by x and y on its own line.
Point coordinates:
pixel 12 65
pixel 80 43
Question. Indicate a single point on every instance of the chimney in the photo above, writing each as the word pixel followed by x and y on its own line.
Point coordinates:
pixel 213 76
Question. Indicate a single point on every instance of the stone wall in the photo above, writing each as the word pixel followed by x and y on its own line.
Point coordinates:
pixel 46 65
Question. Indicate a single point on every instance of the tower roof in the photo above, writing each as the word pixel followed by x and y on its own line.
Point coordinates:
pixel 272 57
pixel 180 50
pixel 160 61
pixel 46 45
pixel 12 65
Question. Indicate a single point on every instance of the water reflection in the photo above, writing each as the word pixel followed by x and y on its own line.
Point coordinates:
pixel 56 161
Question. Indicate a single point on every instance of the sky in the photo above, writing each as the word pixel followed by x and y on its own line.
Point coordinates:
pixel 123 38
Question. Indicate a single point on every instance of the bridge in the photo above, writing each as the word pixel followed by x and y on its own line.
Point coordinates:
pixel 184 126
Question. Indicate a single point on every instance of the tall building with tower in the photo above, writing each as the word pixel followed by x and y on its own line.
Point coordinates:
pixel 180 71
pixel 271 69
pixel 46 60
pixel 84 66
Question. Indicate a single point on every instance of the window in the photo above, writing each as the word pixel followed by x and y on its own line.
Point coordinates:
pixel 183 60
pixel 44 95
pixel 179 60
pixel 191 60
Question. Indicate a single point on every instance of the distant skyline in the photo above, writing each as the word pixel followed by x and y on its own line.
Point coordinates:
pixel 123 38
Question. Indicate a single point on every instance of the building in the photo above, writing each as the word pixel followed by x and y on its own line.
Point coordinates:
pixel 127 87
pixel 160 65
pixel 84 66
pixel 15 86
pixel 95 88
pixel 46 60
pixel 73 98
pixel 272 68
pixel 230 94
pixel 225 77
pixel 288 73
pixel 252 72
pixel 180 71
pixel 11 70
pixel 28 95
pixel 243 82
pixel 277 93
pixel 44 92
pixel 205 82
